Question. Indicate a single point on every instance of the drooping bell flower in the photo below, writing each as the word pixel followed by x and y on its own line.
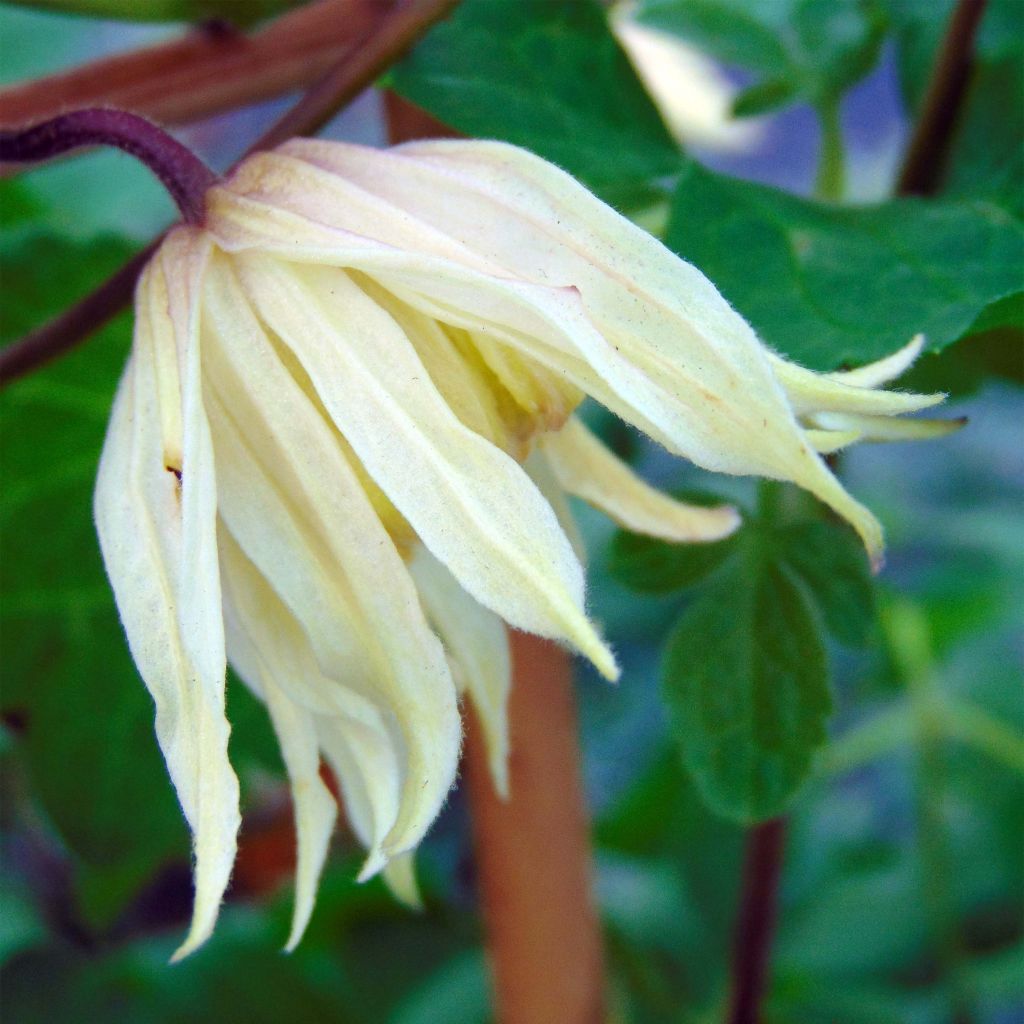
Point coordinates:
pixel 339 455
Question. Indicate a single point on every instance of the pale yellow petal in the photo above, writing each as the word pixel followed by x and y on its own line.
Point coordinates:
pixel 888 428
pixel 158 537
pixel 470 503
pixel 644 333
pixel 264 626
pixel 295 505
pixel 542 474
pixel 477 642
pixel 812 392
pixel 400 876
pixel 586 468
pixel 873 375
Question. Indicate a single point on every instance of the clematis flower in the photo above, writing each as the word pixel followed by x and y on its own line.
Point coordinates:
pixel 339 455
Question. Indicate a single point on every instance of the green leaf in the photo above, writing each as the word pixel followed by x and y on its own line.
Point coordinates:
pixel 831 562
pixel 653 566
pixel 238 12
pixel 987 158
pixel 746 682
pixel 549 76
pixel 798 49
pixel 830 286
pixel 88 741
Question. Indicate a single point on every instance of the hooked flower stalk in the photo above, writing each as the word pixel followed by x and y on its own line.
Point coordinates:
pixel 339 455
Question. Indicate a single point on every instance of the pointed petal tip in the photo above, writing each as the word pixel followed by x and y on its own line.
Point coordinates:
pixel 499 778
pixel 375 862
pixel 600 655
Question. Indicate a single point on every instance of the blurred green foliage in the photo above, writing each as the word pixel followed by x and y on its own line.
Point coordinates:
pixel 904 885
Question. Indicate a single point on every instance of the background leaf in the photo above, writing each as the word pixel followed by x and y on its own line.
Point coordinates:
pixel 797 49
pixel 547 75
pixel 746 681
pixel 831 561
pixel 831 286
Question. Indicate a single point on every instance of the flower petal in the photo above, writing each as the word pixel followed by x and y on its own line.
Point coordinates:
pixel 586 468
pixel 477 644
pixel 887 428
pixel 260 626
pixel 297 509
pixel 873 375
pixel 159 545
pixel 747 427
pixel 469 502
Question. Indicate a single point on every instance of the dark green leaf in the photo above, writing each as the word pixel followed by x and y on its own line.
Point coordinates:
pixel 746 682
pixel 831 562
pixel 829 286
pixel 549 76
pixel 653 566
pixel 88 739
pixel 798 49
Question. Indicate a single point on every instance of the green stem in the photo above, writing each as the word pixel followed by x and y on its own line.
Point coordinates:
pixel 831 180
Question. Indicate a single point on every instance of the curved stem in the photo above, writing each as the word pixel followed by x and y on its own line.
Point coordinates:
pixel 180 171
pixel 533 851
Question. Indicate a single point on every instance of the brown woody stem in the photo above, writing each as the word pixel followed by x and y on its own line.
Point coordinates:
pixel 755 924
pixel 205 72
pixel 392 34
pixel 928 151
pixel 533 852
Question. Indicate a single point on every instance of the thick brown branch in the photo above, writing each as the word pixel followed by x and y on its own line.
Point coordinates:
pixel 928 152
pixel 207 71
pixel 398 30
pixel 533 852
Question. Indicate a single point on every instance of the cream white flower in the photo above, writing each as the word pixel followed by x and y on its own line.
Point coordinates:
pixel 339 454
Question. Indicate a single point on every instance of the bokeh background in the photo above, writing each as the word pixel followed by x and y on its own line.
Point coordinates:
pixel 904 875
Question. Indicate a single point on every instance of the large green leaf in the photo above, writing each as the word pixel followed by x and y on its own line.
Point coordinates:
pixel 832 286
pixel 746 681
pixel 549 76
pixel 88 722
pixel 798 49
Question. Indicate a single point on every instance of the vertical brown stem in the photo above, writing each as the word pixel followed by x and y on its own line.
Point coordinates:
pixel 755 925
pixel 928 151
pixel 533 853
